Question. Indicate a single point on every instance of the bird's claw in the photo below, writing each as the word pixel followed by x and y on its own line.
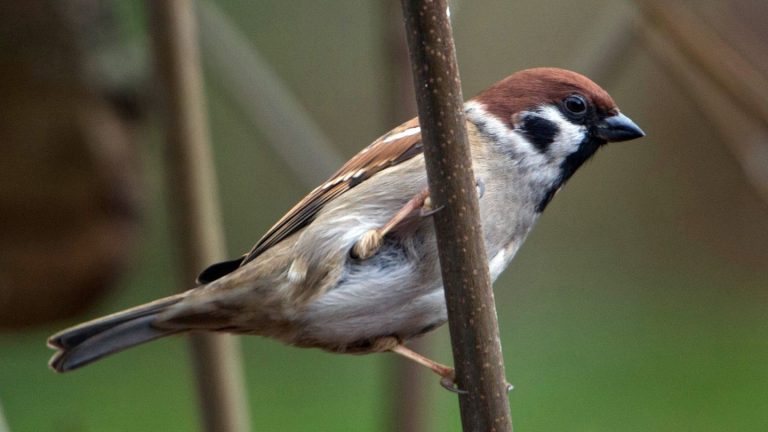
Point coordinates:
pixel 449 384
pixel 426 212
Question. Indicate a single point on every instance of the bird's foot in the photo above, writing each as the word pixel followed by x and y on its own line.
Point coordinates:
pixel 427 209
pixel 447 374
pixel 449 383
pixel 368 244
pixel 371 241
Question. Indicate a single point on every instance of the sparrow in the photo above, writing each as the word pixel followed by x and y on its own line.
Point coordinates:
pixel 353 267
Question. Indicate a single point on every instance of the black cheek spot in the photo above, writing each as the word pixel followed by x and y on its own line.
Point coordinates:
pixel 540 131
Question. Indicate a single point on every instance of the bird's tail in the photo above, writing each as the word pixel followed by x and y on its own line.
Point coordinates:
pixel 85 343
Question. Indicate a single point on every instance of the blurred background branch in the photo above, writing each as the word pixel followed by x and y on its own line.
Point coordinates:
pixel 250 81
pixel 723 84
pixel 710 54
pixel 194 204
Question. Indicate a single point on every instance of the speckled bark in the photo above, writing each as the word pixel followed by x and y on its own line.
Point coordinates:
pixel 471 309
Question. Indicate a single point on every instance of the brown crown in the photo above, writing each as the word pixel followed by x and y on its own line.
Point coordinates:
pixel 530 88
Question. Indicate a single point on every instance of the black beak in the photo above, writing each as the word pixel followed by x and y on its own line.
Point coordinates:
pixel 618 128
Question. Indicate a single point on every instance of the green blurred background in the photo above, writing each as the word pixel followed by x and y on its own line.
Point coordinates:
pixel 638 303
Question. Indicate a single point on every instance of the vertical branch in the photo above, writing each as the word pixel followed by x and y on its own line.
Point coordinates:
pixel 471 309
pixel 194 205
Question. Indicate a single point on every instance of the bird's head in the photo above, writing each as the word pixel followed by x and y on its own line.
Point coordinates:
pixel 550 121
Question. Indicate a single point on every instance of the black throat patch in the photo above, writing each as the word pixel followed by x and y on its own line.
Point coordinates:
pixel 569 166
pixel 539 131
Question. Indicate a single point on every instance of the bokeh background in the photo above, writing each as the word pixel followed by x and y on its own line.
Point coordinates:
pixel 638 303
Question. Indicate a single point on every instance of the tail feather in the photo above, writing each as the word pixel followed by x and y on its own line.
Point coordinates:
pixel 90 341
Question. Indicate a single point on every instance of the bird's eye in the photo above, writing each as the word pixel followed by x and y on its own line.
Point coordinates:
pixel 575 104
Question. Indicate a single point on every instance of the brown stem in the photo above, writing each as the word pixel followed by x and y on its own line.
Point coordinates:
pixel 194 205
pixel 471 309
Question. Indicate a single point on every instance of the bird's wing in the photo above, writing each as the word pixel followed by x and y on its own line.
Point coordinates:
pixel 397 146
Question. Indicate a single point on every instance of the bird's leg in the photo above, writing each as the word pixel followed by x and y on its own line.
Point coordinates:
pixel 446 373
pixel 371 241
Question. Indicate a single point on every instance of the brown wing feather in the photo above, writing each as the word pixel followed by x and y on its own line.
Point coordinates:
pixel 381 154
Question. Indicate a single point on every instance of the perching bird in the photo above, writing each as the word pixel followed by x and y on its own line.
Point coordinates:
pixel 353 266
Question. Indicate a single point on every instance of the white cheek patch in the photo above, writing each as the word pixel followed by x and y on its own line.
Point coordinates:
pixel 540 168
pixel 525 155
pixel 568 139
pixel 491 125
